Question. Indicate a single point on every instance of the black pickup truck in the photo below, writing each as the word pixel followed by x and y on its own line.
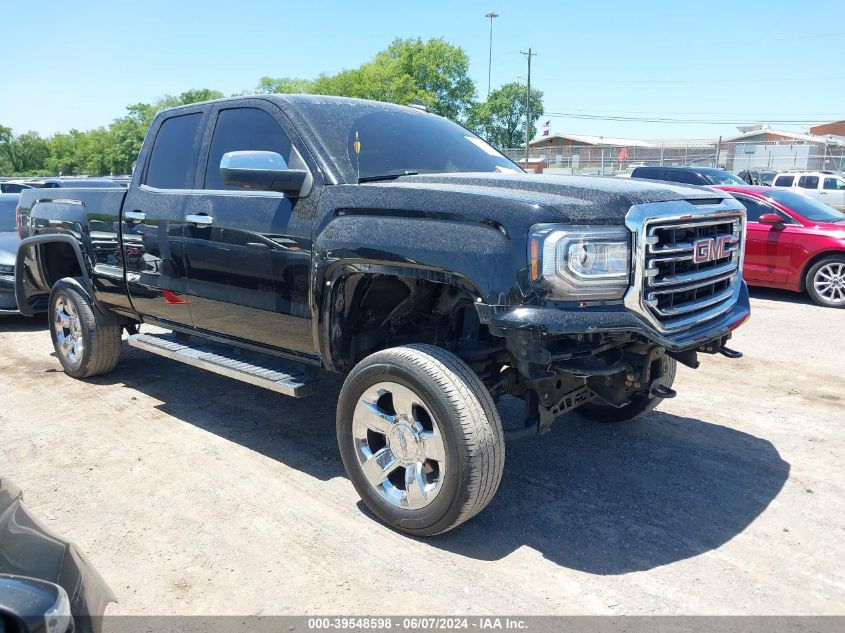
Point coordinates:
pixel 276 237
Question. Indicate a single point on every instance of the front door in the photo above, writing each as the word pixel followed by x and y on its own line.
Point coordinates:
pixel 767 248
pixel 249 252
pixel 833 192
pixel 154 219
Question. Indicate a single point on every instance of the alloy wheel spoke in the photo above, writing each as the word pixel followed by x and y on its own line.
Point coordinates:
pixel 433 445
pixel 67 344
pixel 403 401
pixel 379 465
pixel 415 485
pixel 374 418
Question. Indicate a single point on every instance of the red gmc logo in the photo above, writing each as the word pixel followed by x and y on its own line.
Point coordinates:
pixel 709 249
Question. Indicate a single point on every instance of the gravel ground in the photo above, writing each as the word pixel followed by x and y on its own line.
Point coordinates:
pixel 195 494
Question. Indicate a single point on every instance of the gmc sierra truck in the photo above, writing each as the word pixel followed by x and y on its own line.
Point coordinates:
pixel 276 237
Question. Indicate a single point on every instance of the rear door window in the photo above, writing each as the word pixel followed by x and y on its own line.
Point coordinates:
pixel 173 160
pixel 784 181
pixel 686 177
pixel 753 208
pixel 808 182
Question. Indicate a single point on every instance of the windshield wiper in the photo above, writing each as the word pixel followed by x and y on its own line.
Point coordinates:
pixel 388 176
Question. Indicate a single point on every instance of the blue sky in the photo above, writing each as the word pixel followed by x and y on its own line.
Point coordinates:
pixel 78 64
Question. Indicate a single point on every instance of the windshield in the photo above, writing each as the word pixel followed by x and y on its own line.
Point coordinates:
pixel 366 141
pixel 813 210
pixel 7 215
pixel 719 177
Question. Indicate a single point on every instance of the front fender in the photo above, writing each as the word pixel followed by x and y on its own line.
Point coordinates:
pixel 480 256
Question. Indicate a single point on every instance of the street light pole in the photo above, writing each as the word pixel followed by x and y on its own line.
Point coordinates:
pixel 529 54
pixel 491 15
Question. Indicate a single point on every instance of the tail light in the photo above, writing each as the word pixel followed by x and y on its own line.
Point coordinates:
pixel 18 222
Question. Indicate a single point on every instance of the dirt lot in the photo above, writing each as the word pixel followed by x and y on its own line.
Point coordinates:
pixel 193 493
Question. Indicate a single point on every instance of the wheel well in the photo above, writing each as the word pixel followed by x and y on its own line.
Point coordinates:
pixel 815 260
pixel 370 312
pixel 58 260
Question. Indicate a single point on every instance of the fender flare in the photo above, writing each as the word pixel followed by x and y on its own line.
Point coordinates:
pixel 23 302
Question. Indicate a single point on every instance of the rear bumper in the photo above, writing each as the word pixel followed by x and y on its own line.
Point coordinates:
pixel 605 319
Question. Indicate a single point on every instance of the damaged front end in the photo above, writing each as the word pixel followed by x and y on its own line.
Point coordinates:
pixel 614 312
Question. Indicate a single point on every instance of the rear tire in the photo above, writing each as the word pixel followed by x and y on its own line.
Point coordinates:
pixel 825 282
pixel 639 405
pixel 87 342
pixel 420 438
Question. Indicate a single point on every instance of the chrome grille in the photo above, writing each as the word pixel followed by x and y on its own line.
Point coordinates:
pixel 690 268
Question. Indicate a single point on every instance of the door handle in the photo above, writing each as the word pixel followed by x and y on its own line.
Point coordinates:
pixel 135 216
pixel 199 219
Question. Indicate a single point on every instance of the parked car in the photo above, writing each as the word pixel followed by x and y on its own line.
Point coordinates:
pixel 396 247
pixel 78 183
pixel 703 176
pixel 794 242
pixel 755 177
pixel 9 241
pixel 46 583
pixel 826 186
pixel 14 186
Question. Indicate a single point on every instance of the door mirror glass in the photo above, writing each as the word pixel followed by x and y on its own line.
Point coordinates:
pixel 262 171
pixel 772 219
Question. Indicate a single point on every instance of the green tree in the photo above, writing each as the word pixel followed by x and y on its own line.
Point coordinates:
pixel 25 153
pixel 439 70
pixel 63 153
pixel 188 97
pixel 283 85
pixel 501 118
pixel 434 71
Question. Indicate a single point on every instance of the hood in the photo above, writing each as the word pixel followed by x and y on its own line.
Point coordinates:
pixel 583 199
pixel 8 247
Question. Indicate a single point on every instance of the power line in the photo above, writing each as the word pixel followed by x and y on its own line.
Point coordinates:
pixel 689 81
pixel 595 117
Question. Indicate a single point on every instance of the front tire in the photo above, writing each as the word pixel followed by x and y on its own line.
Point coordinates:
pixel 420 438
pixel 640 404
pixel 825 282
pixel 87 342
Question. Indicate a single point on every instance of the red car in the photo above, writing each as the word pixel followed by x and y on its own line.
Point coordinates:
pixel 793 242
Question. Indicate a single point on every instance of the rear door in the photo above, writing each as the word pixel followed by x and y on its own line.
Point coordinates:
pixel 808 184
pixel 767 249
pixel 833 192
pixel 249 252
pixel 153 219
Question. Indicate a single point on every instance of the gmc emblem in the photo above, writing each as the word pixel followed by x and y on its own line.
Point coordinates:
pixel 710 249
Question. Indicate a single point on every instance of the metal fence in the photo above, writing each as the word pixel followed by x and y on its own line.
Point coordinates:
pixel 733 156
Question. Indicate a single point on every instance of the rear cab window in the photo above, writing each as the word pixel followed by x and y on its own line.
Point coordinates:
pixel 173 159
pixel 784 181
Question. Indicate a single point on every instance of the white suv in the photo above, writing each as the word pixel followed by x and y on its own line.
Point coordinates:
pixel 826 186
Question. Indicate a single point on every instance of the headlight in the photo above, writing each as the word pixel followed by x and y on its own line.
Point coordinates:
pixel 580 262
pixel 6 269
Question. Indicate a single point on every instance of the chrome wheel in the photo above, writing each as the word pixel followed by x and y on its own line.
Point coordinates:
pixel 68 330
pixel 829 282
pixel 399 445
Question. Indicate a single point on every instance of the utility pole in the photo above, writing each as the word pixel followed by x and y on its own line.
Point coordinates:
pixel 490 15
pixel 529 54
